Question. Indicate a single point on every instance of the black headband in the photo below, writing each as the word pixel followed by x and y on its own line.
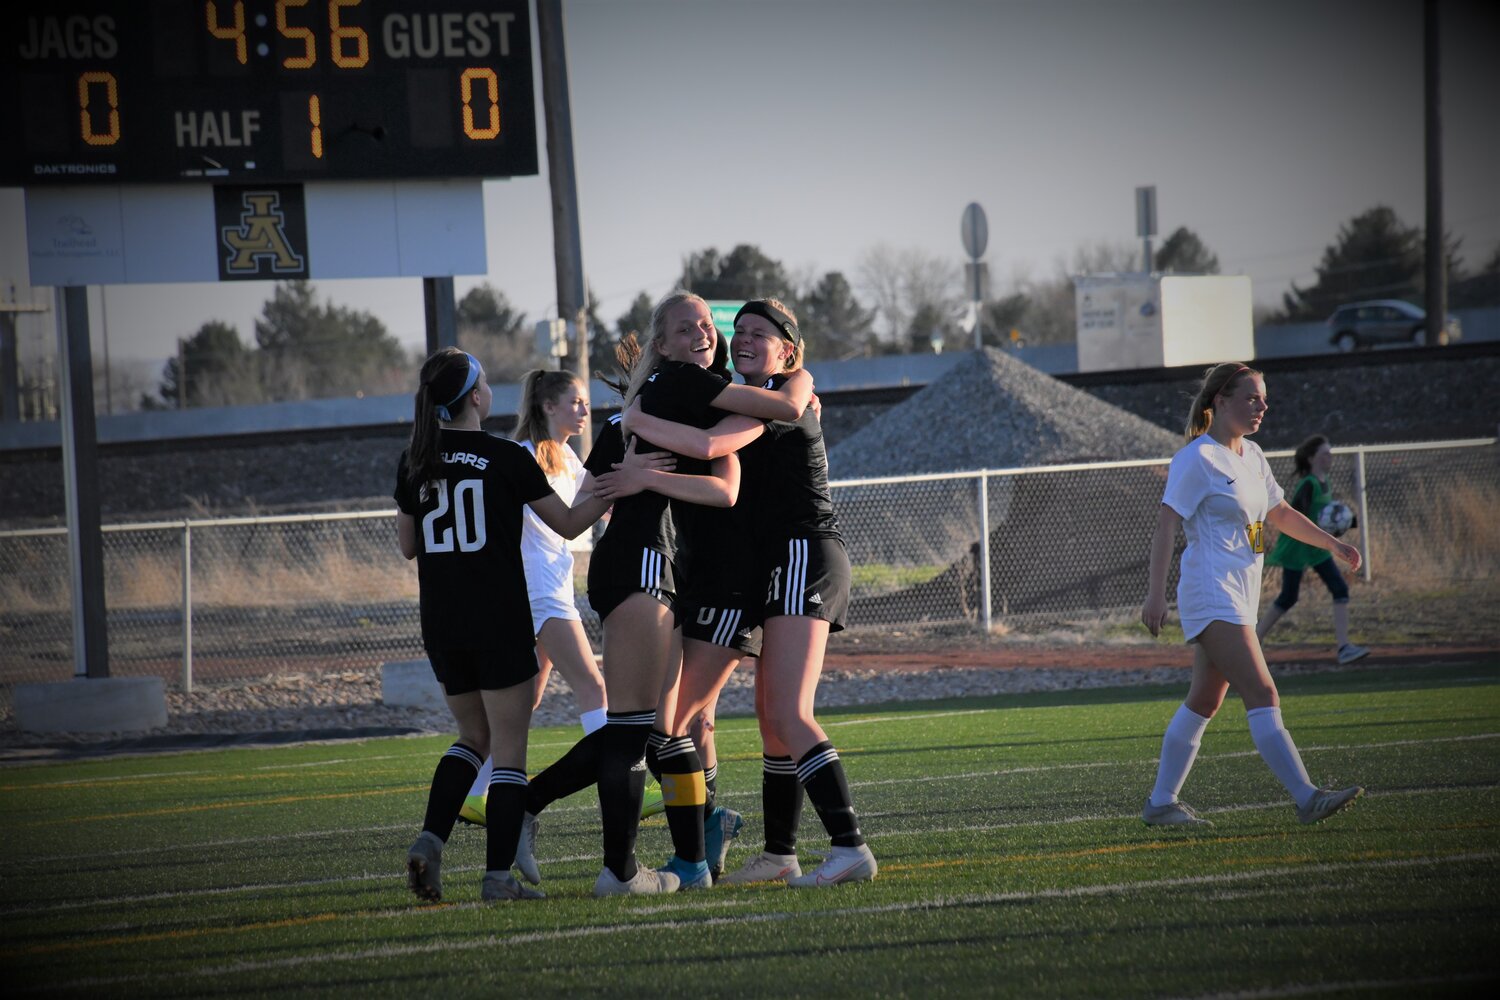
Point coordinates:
pixel 772 315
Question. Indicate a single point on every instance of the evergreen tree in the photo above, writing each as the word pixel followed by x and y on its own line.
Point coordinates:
pixel 312 350
pixel 212 368
pixel 745 273
pixel 833 322
pixel 1184 253
pixel 1376 256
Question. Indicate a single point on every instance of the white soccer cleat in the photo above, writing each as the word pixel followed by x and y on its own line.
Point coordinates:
pixel 764 867
pixel 645 882
pixel 526 850
pixel 844 864
pixel 1349 652
pixel 1172 814
pixel 1328 801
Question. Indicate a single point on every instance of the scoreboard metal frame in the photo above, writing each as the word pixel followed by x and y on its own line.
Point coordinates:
pixel 251 91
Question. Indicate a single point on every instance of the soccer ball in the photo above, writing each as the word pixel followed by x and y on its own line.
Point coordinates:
pixel 1336 518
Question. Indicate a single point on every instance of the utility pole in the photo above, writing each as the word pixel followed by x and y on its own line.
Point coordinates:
pixel 567 243
pixel 1437 263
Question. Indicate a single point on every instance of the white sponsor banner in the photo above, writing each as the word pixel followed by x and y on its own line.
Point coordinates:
pixel 161 234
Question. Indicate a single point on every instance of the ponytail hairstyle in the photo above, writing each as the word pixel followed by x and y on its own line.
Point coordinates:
pixel 1303 456
pixel 538 388
pixel 1220 378
pixel 647 355
pixel 442 393
pixel 627 351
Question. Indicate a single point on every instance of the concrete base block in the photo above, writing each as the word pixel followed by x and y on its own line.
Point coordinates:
pixel 411 684
pixel 97 705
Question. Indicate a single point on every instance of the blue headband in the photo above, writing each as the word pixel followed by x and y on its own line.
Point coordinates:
pixel 474 372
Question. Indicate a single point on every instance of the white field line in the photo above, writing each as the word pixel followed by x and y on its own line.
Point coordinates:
pixel 395 875
pixel 738 796
pixel 1356 986
pixel 42 786
pixel 424 754
pixel 1385 744
pixel 692 918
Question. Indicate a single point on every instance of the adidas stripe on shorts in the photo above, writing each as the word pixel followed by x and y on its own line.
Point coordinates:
pixel 736 627
pixel 639 570
pixel 811 578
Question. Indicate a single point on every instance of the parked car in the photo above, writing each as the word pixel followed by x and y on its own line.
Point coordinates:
pixel 1384 321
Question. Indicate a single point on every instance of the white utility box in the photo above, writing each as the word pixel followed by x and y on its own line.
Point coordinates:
pixel 1157 321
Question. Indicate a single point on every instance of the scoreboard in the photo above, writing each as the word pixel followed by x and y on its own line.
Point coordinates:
pixel 264 91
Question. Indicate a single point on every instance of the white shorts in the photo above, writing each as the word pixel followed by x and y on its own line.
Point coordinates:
pixel 553 605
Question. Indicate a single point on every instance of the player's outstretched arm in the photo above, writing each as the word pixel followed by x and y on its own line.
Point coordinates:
pixel 1289 521
pixel 1154 612
pixel 721 488
pixel 570 522
pixel 729 435
pixel 785 403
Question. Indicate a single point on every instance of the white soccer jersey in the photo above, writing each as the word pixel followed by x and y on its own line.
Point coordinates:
pixel 1223 499
pixel 547 555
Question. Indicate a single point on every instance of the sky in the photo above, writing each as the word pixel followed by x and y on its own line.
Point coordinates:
pixel 822 129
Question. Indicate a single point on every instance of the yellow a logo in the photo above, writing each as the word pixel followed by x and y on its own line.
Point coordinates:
pixel 261 235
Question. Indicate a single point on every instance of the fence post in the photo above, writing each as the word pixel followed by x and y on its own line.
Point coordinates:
pixel 1364 512
pixel 984 551
pixel 187 607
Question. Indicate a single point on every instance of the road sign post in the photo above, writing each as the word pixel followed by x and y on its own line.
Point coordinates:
pixel 975 230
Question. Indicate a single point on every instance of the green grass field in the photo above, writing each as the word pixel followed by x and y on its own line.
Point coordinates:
pixel 1012 861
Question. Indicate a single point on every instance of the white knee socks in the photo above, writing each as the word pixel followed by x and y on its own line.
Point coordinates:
pixel 590 720
pixel 481 784
pixel 1179 747
pixel 593 720
pixel 1280 753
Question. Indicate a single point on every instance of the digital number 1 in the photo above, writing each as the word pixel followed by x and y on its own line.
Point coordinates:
pixel 315 119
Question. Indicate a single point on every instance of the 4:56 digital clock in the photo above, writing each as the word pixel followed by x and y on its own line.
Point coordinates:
pixel 153 91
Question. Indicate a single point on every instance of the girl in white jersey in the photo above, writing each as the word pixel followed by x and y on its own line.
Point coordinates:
pixel 1221 491
pixel 554 407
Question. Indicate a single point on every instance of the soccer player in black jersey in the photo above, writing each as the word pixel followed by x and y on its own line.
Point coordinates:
pixel 460 493
pixel 633 584
pixel 806 579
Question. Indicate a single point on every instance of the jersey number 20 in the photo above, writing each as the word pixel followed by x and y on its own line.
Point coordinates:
pixel 468 517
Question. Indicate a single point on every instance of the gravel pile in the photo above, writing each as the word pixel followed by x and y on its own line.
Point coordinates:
pixel 992 411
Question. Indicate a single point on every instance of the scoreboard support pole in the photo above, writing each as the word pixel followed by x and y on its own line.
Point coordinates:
pixel 81 482
pixel 442 314
pixel 567 242
pixel 101 703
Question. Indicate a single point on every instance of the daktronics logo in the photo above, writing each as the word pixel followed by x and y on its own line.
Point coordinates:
pixel 61 169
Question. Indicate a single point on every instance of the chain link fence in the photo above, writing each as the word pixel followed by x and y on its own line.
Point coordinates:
pixel 216 600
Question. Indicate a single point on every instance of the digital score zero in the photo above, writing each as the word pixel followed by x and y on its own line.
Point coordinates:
pixel 152 91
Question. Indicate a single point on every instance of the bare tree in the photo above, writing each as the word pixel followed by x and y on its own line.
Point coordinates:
pixel 904 283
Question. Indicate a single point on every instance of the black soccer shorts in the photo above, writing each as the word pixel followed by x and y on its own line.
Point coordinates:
pixel 811 577
pixel 461 671
pixel 733 623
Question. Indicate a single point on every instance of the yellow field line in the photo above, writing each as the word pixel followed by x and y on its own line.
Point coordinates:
pixel 48 949
pixel 211 806
pixel 205 778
